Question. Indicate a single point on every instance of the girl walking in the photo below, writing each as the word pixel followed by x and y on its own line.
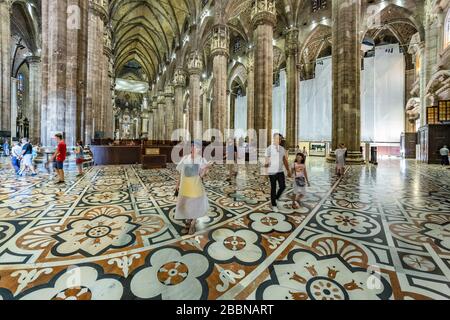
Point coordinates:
pixel 192 198
pixel 300 179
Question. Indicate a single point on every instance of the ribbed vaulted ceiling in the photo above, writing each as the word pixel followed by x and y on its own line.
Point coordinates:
pixel 148 31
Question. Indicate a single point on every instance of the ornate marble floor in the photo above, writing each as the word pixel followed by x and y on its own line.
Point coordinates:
pixel 379 233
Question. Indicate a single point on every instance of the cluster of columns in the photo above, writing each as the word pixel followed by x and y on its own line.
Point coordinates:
pixel 76 83
pixel 70 84
pixel 346 61
pixel 260 79
pixel 34 64
pixel 263 18
pixel 98 120
pixel 194 68
pixel 219 51
pixel 166 112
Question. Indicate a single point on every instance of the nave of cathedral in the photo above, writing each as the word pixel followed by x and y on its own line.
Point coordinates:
pixel 333 118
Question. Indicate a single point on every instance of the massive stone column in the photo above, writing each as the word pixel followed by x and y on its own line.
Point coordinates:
pixel 161 100
pixel 206 116
pixel 346 59
pixel 429 52
pixel 232 109
pixel 292 87
pixel 151 128
pixel 107 86
pixel 155 127
pixel 263 19
pixel 14 108
pixel 195 67
pixel 219 51
pixel 422 84
pixel 44 70
pixel 144 123
pixel 179 83
pixel 54 30
pixel 34 64
pixel 95 63
pixel 76 48
pixel 251 90
pixel 169 111
pixel 5 65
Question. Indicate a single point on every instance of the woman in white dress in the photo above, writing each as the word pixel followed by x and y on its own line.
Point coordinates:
pixel 192 198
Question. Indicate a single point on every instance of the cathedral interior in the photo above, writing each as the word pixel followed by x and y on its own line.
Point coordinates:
pixel 134 79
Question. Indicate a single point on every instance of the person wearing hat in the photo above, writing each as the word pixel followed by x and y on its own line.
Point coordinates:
pixel 192 202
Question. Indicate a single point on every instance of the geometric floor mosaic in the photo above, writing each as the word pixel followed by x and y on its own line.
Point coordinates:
pixel 381 232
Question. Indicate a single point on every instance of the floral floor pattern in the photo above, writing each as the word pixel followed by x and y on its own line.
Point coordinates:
pixel 378 233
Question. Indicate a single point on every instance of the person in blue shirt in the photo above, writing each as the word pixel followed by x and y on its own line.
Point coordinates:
pixel 6 148
pixel 27 157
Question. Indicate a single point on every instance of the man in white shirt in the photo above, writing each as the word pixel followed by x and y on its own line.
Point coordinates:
pixel 444 155
pixel 276 157
pixel 16 153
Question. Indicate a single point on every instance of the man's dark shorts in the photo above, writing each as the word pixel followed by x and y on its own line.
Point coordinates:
pixel 59 165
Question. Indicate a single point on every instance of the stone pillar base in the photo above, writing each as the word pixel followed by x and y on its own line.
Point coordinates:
pixel 353 157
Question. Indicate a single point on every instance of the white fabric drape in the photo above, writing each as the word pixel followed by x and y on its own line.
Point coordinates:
pixel 240 117
pixel 368 100
pixel 382 99
pixel 315 104
pixel 279 105
pixel 389 102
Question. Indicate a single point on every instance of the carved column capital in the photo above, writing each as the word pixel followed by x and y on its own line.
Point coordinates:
pixel 263 12
pixel 8 4
pixel 220 41
pixel 161 98
pixel 169 92
pixel 179 78
pixel 107 42
pixel 292 41
pixel 97 7
pixel 195 63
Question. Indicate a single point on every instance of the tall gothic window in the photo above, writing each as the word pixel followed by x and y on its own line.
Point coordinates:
pixel 447 30
pixel 21 85
pixel 318 4
pixel 237 45
pixel 20 91
pixel 276 79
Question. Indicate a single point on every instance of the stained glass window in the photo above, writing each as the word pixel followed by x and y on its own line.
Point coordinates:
pixel 432 115
pixel 21 84
pixel 444 111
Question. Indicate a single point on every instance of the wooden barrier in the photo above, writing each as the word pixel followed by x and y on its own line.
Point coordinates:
pixel 115 155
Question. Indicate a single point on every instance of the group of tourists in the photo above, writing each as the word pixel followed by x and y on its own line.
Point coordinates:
pixel 23 155
pixel 192 200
